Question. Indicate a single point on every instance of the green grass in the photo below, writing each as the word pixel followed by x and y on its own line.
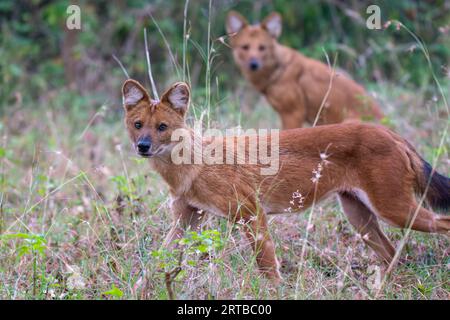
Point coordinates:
pixel 98 208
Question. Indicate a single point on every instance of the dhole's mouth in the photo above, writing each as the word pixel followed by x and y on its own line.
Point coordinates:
pixel 145 154
pixel 254 65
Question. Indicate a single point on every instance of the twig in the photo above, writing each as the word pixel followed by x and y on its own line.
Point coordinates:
pixel 184 38
pixel 149 66
pixel 330 85
pixel 121 66
pixel 208 66
pixel 172 56
pixel 170 276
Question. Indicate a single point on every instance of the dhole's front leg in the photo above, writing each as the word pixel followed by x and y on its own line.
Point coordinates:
pixel 184 217
pixel 257 232
pixel 290 105
pixel 293 119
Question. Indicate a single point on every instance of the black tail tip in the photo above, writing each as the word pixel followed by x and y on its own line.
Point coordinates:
pixel 438 195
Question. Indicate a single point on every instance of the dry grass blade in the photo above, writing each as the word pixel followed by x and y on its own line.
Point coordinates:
pixel 121 66
pixel 149 66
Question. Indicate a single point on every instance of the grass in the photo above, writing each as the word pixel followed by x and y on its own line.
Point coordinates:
pixel 96 207
pixel 82 217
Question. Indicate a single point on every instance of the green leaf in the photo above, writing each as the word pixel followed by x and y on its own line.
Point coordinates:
pixel 202 248
pixel 115 292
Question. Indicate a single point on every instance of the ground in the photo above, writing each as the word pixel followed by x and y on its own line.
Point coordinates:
pixel 83 217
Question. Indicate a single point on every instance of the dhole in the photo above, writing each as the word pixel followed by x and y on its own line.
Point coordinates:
pixel 374 172
pixel 293 84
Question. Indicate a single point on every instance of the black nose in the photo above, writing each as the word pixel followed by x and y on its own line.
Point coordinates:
pixel 144 145
pixel 254 65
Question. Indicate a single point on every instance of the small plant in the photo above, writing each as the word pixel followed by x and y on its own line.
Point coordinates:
pixel 124 186
pixel 114 292
pixel 206 241
pixel 33 245
pixel 200 244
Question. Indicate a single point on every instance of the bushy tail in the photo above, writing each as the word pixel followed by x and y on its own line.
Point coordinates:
pixel 438 193
pixel 436 186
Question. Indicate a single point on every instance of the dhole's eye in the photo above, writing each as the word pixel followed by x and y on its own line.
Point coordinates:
pixel 245 47
pixel 262 48
pixel 162 127
pixel 138 125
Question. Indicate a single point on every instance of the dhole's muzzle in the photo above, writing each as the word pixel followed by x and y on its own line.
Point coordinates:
pixel 144 146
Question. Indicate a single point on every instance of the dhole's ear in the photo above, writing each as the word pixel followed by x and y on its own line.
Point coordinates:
pixel 132 93
pixel 235 22
pixel 178 97
pixel 272 23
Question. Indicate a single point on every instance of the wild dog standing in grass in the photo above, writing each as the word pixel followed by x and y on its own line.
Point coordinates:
pixel 374 172
pixel 293 84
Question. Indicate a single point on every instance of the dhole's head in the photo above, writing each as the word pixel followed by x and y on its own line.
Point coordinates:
pixel 150 123
pixel 254 45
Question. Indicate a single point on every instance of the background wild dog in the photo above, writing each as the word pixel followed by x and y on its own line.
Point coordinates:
pixel 374 171
pixel 293 84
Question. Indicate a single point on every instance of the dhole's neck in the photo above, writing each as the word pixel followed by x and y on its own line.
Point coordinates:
pixel 270 75
pixel 179 177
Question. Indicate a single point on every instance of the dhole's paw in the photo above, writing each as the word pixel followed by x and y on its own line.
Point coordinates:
pixel 273 276
pixel 276 281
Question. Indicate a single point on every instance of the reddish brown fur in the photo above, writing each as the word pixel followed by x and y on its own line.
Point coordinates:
pixel 373 170
pixel 293 84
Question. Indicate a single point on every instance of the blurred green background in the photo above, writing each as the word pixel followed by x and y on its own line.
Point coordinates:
pixel 39 55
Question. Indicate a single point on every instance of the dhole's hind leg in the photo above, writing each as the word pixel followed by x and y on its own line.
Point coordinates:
pixel 428 221
pixel 365 222
pixel 399 209
pixel 425 220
